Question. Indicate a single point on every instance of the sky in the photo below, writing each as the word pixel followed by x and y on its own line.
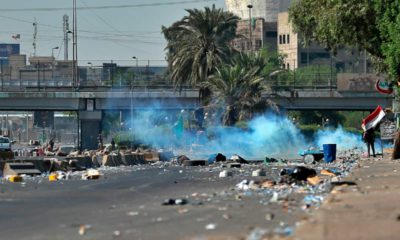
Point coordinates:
pixel 125 29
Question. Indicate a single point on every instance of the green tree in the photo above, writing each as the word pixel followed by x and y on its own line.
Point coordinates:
pixel 198 43
pixel 237 87
pixel 373 25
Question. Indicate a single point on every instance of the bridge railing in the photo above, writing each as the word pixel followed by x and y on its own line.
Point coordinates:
pixel 304 82
pixel 313 82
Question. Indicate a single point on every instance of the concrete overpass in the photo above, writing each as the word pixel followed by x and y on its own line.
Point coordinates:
pixel 187 99
pixel 90 105
pixel 330 100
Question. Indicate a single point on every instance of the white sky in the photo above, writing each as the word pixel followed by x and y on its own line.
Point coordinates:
pixel 104 34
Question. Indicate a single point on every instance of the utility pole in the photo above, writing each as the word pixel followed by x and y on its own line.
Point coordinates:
pixel 34 36
pixel 75 48
pixel 66 30
pixel 250 26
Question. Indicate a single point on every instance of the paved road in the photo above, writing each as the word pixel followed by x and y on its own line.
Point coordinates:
pixel 126 204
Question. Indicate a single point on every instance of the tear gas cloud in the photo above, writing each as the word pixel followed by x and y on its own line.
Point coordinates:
pixel 268 135
pixel 344 140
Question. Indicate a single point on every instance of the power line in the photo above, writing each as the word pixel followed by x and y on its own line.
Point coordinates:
pixel 86 31
pixel 104 7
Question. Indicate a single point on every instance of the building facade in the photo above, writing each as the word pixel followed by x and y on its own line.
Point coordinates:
pixel 289 44
pixel 257 28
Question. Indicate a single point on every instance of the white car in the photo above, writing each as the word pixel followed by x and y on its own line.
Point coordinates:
pixel 5 144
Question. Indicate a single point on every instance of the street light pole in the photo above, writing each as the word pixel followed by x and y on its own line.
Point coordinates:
pixel 75 47
pixel 250 32
pixel 52 51
pixel 137 65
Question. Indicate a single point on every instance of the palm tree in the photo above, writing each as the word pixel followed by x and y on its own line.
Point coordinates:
pixel 198 43
pixel 239 87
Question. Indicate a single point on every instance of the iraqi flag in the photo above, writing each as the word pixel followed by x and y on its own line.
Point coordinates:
pixel 373 119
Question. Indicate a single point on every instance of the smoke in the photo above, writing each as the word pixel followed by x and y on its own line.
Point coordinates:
pixel 268 135
pixel 343 140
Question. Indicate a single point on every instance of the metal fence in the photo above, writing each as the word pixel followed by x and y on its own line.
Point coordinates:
pixel 144 74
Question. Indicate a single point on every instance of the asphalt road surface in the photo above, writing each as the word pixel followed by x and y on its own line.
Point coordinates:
pixel 126 203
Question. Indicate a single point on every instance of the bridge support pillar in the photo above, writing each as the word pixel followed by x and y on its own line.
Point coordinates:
pixel 89 128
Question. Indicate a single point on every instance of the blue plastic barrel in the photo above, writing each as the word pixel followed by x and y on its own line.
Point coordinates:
pixel 329 152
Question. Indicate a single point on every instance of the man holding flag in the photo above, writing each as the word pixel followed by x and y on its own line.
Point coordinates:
pixel 368 125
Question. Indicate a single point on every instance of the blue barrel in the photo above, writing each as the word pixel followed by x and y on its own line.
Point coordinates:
pixel 329 152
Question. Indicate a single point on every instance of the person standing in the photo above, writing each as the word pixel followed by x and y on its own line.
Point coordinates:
pixel 369 139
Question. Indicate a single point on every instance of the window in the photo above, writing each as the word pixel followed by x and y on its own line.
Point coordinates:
pixel 280 39
pixel 287 66
pixel 288 39
pixel 284 39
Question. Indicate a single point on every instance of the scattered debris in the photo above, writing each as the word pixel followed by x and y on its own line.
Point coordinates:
pixel 83 228
pixel 234 165
pixel 211 226
pixel 258 173
pixel 53 177
pixel 178 201
pixel 270 160
pixel 327 172
pixel 314 180
pixel 91 174
pixel 275 197
pixel 219 157
pixel 194 163
pixel 300 173
pixel 246 185
pixel 237 158
pixel 268 184
pixel 269 216
pixel 132 214
pixel 14 178
pixel 225 173
pixel 116 233
pixel 181 159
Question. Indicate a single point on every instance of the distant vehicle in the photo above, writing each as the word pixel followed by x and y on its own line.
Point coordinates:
pixel 5 144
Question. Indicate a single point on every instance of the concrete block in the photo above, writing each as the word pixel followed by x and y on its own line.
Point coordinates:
pixel 152 156
pixel 95 162
pixel 15 169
